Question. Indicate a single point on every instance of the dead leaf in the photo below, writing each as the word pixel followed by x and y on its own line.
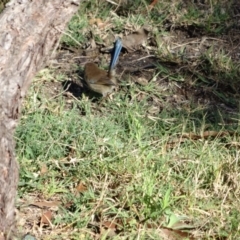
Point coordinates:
pixel 44 169
pixel 141 80
pixel 134 40
pixel 92 21
pixel 81 188
pixel 140 96
pixel 46 218
pixel 153 109
pixel 109 224
pixel 171 234
pixel 207 134
pixel 108 232
pixel 69 205
pixel 93 44
pixel 99 23
pixel 151 6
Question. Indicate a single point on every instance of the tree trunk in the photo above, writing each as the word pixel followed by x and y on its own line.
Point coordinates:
pixel 29 29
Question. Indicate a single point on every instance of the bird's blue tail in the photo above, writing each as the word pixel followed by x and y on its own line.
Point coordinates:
pixel 115 54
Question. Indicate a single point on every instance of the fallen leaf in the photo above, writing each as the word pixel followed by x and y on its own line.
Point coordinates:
pixel 141 80
pixel 99 23
pixel 208 134
pixel 92 21
pixel 171 234
pixel 153 109
pixel 44 169
pixel 110 232
pixel 134 40
pixel 151 6
pixel 93 44
pixel 46 218
pixel 109 224
pixel 81 188
pixel 69 205
pixel 140 96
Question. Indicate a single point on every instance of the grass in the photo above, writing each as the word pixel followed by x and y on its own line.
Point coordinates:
pixel 137 166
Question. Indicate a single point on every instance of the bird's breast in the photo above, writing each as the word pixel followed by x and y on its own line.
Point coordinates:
pixel 98 80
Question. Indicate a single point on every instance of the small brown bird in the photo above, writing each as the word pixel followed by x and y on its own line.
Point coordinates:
pixel 99 80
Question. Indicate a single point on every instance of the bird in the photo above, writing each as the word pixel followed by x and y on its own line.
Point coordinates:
pixel 99 80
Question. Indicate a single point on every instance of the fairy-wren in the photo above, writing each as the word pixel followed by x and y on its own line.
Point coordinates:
pixel 99 80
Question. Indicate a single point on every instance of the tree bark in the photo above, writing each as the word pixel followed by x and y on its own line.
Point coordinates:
pixel 29 29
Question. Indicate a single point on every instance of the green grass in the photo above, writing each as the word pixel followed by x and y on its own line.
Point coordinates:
pixel 140 170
